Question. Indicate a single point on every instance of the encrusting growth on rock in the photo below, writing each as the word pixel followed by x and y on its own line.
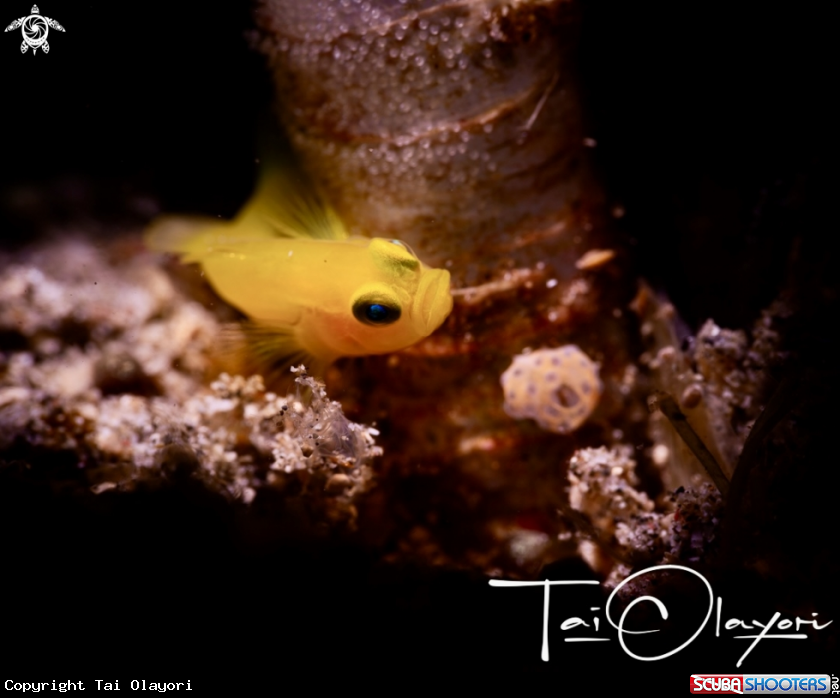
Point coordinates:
pixel 558 388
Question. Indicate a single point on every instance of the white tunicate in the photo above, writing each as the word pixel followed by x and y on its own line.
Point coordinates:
pixel 557 388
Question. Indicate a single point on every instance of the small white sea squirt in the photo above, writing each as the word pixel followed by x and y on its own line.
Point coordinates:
pixel 558 388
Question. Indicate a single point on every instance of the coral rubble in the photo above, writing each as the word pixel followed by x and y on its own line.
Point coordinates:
pixel 109 362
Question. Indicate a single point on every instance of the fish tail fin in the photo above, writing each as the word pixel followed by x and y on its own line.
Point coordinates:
pixel 255 347
pixel 186 236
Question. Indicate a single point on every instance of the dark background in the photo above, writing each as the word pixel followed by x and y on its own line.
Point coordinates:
pixel 154 99
pixel 712 125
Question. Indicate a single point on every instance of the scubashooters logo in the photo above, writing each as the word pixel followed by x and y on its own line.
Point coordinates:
pixel 35 28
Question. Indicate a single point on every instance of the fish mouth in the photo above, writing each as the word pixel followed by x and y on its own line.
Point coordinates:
pixel 433 301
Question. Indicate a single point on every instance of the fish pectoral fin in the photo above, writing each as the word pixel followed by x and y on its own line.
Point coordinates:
pixel 269 350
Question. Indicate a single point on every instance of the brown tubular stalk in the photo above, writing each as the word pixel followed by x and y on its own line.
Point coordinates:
pixel 456 127
pixel 436 122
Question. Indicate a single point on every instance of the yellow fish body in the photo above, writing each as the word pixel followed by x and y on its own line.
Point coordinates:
pixel 314 293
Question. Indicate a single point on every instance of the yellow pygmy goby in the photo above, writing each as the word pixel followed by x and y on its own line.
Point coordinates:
pixel 314 293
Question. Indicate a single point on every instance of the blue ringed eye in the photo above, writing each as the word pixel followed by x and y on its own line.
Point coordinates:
pixel 373 313
pixel 376 312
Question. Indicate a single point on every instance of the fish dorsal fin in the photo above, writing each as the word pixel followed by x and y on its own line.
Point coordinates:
pixel 286 203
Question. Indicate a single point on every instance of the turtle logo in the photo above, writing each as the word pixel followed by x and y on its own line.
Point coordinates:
pixel 35 28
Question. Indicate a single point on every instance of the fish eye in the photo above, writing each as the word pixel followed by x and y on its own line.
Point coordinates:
pixel 375 313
